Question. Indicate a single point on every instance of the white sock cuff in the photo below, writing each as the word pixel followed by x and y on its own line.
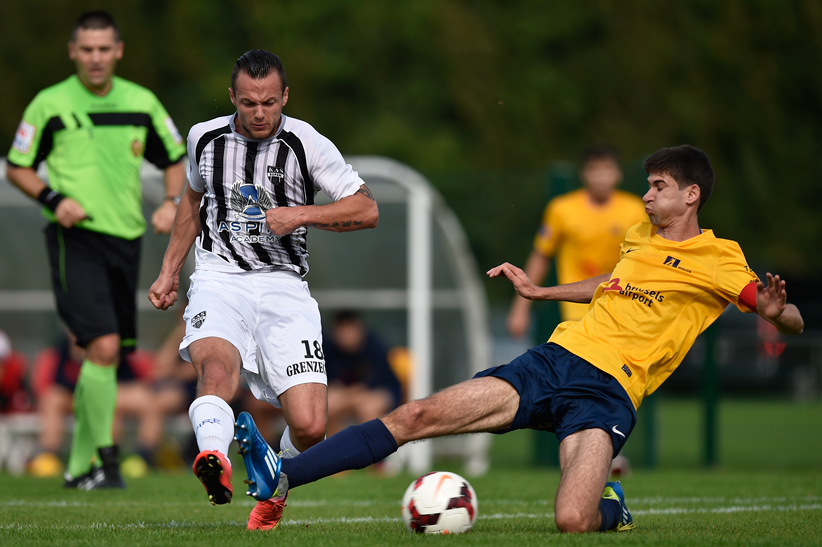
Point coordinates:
pixel 287 448
pixel 210 400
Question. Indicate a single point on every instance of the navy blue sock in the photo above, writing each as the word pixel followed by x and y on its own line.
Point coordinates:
pixel 609 509
pixel 355 447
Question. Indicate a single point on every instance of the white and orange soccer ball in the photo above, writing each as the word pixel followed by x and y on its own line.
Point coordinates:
pixel 439 503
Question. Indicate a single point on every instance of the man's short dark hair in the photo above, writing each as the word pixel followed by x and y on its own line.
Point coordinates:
pixel 597 152
pixel 95 20
pixel 258 64
pixel 347 316
pixel 686 165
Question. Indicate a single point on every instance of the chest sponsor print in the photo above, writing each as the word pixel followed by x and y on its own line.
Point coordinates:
pixel 642 296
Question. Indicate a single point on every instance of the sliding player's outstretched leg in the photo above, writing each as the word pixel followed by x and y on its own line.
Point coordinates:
pixel 261 462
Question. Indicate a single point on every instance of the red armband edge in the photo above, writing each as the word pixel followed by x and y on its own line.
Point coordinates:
pixel 748 296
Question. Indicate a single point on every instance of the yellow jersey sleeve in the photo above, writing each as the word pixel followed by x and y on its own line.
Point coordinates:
pixel 733 274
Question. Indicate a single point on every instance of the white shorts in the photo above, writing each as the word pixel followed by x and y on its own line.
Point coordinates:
pixel 272 320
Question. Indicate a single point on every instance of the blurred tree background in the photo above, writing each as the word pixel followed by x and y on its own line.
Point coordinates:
pixel 483 97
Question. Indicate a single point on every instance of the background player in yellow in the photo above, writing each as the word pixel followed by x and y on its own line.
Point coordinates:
pixel 673 280
pixel 94 129
pixel 583 230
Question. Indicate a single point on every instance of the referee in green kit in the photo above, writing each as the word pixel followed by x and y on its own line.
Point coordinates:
pixel 94 129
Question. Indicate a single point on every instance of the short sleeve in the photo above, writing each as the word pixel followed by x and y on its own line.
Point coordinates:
pixel 330 172
pixel 29 148
pixel 733 274
pixel 164 145
pixel 550 231
pixel 195 180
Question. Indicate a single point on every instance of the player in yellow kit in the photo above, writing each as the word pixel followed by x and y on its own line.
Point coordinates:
pixel 672 281
pixel 582 230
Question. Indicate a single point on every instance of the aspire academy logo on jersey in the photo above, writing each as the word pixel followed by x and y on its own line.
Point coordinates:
pixel 241 232
pixel 249 202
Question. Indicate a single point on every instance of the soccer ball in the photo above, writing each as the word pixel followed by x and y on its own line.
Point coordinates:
pixel 439 503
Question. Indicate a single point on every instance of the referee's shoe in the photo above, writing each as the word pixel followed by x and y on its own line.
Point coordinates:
pixel 111 477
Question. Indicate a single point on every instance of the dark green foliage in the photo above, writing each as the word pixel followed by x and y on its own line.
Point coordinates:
pixel 476 93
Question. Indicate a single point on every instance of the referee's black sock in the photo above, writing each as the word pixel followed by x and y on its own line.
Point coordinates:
pixel 355 447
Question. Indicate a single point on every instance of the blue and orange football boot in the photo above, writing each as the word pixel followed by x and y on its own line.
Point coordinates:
pixel 261 462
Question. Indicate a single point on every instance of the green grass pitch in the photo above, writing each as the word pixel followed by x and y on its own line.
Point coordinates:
pixel 360 509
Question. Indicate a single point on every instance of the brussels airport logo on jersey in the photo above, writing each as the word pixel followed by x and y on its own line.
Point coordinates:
pixel 637 294
pixel 250 202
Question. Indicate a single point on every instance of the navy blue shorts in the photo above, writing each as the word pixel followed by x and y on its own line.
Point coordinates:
pixel 563 393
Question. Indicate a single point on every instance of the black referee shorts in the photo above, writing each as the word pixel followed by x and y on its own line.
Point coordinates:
pixel 94 277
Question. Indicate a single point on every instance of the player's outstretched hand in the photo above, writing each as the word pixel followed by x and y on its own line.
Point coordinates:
pixel 771 303
pixel 771 300
pixel 522 283
pixel 163 293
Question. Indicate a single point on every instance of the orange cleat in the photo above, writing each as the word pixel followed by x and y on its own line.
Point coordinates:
pixel 266 514
pixel 214 471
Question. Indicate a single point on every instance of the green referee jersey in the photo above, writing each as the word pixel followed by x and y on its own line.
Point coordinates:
pixel 93 147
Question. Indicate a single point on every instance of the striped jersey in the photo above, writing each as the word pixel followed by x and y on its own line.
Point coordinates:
pixel 241 178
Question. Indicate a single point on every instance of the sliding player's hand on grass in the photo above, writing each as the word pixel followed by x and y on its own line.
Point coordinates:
pixel 522 283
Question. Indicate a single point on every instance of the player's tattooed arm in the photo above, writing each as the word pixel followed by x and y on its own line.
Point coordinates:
pixel 341 224
pixel 355 212
pixel 364 190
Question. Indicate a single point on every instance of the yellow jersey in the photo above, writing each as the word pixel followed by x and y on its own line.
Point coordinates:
pixel 660 297
pixel 585 237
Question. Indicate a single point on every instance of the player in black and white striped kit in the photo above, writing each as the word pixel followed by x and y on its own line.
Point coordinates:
pixel 253 177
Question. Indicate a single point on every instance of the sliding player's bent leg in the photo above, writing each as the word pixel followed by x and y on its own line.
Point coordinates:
pixel 474 406
pixel 584 458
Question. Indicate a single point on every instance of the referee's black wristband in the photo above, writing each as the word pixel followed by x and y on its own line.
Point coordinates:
pixel 50 198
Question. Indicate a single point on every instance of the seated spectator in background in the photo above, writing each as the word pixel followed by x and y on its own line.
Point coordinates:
pixel 13 394
pixel 361 384
pixel 53 381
